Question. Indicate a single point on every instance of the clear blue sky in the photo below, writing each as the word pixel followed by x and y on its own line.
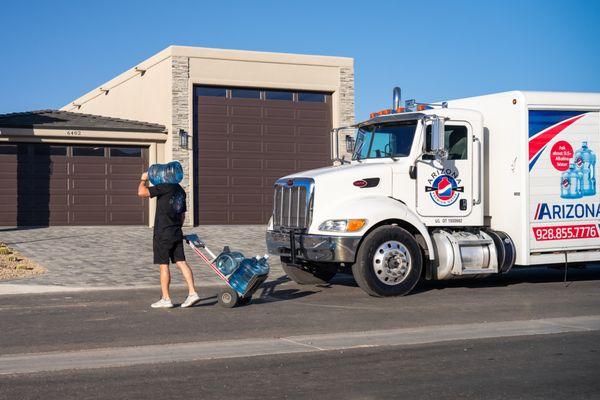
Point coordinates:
pixel 54 51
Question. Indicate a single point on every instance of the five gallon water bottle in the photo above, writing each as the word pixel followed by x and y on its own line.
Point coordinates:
pixel 229 261
pixel 165 173
pixel 570 183
pixel 249 268
pixel 585 160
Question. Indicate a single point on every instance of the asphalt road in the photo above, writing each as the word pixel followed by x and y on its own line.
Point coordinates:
pixel 542 367
pixel 539 365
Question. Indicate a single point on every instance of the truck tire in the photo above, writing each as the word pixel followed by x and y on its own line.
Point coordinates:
pixel 307 275
pixel 388 263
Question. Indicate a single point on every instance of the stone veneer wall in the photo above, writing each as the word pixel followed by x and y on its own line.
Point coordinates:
pixel 180 120
pixel 346 107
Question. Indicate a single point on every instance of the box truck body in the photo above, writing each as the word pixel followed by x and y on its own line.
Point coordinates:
pixel 531 140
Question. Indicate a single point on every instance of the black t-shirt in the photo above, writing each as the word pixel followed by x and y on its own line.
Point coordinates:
pixel 170 204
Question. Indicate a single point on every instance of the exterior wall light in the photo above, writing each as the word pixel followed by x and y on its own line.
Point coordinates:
pixel 183 139
pixel 349 144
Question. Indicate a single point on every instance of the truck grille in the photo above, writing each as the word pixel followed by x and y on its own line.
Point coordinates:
pixel 292 203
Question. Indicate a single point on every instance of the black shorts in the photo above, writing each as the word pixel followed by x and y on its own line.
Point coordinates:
pixel 165 250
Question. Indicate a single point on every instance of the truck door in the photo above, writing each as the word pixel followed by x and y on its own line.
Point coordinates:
pixel 445 186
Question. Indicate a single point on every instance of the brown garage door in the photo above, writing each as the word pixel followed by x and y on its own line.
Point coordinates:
pixel 248 138
pixel 71 185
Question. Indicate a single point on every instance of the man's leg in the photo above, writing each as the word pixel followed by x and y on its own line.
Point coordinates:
pixel 165 281
pixel 187 275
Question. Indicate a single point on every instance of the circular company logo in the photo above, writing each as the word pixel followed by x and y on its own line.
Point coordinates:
pixel 444 190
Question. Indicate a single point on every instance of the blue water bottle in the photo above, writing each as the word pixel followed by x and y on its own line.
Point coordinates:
pixel 165 173
pixel 570 183
pixel 585 160
pixel 229 261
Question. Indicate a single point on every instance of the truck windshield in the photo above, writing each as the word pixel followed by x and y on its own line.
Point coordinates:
pixel 384 140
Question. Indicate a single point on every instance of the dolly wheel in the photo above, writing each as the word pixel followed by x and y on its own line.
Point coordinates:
pixel 228 298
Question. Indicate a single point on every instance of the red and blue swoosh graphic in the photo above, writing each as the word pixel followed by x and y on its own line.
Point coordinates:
pixel 545 125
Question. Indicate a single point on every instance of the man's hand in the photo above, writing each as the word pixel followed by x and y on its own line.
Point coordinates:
pixel 142 189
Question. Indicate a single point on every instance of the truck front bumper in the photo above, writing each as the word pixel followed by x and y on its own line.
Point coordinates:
pixel 313 247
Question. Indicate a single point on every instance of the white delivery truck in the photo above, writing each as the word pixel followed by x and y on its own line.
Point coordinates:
pixel 464 188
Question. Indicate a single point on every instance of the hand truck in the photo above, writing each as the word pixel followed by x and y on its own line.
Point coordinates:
pixel 228 296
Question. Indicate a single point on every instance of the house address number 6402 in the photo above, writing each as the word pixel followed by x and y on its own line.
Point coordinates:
pixel 73 133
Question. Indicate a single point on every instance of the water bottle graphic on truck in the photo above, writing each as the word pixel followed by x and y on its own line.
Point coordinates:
pixel 580 179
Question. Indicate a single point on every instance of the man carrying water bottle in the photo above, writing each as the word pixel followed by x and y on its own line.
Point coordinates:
pixel 168 237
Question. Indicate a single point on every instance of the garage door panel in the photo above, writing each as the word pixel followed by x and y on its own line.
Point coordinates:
pixel 126 170
pixel 247 164
pixel 92 167
pixel 281 113
pixel 88 185
pixel 213 126
pixel 280 164
pixel 133 217
pixel 88 217
pixel 246 146
pixel 88 199
pixel 312 115
pixel 219 110
pixel 274 129
pixel 245 111
pixel 245 129
pixel 219 163
pixel 207 146
pixel 249 199
pixel 124 200
pixel 215 198
pixel 214 181
pixel 289 147
pixel 246 181
pixel 247 217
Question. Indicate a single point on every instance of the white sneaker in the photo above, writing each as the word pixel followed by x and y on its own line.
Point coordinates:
pixel 162 303
pixel 191 300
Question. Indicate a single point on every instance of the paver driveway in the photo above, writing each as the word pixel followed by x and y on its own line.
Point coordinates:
pixel 121 255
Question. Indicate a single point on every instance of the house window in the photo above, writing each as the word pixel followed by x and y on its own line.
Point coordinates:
pixel 88 151
pixel 311 97
pixel 279 95
pixel 125 152
pixel 211 91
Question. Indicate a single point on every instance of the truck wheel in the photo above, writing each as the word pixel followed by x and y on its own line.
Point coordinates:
pixel 307 275
pixel 388 262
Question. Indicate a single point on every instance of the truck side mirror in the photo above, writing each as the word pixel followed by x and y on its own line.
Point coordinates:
pixel 438 134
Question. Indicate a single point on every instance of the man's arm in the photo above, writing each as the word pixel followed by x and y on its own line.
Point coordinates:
pixel 142 188
pixel 182 216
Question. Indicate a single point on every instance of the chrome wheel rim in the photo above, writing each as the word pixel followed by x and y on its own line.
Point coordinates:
pixel 392 263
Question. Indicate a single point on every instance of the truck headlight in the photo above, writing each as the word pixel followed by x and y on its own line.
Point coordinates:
pixel 342 225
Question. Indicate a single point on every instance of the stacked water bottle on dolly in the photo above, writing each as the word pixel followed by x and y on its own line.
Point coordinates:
pixel 580 179
pixel 243 276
